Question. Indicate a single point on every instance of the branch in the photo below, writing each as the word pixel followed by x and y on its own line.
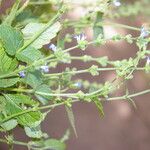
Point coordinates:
pixel 13 13
pixel 14 142
pixel 85 71
pixel 23 7
pixel 124 97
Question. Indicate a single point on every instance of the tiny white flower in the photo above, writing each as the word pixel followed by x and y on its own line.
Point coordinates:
pixel 144 32
pixel 78 84
pixel 80 37
pixel 45 69
pixel 148 60
pixel 117 3
pixel 53 47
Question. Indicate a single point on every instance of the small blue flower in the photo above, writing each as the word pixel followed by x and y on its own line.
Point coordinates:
pixel 80 37
pixel 22 74
pixel 144 32
pixel 117 3
pixel 78 84
pixel 53 47
pixel 45 68
pixel 148 60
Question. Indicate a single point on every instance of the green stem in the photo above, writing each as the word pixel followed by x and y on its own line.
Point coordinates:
pixel 38 62
pixel 102 24
pixel 40 3
pixel 129 96
pixel 23 7
pixel 85 71
pixel 13 13
pixel 41 61
pixel 14 142
pixel 121 26
pixel 76 100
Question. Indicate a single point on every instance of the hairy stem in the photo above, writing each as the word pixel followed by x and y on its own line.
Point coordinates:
pixel 13 13
pixel 124 97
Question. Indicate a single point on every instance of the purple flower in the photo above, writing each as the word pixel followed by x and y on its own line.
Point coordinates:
pixel 80 37
pixel 148 60
pixel 117 3
pixel 22 74
pixel 53 47
pixel 45 68
pixel 144 32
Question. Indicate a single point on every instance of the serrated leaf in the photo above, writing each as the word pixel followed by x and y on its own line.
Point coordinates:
pixel 29 55
pixel 34 132
pixel 32 28
pixel 16 103
pixel 9 125
pixel 71 119
pixel 51 144
pixel 97 29
pixel 11 38
pixel 24 99
pixel 34 79
pixel 99 106
pixel 2 104
pixel 4 83
pixel 7 63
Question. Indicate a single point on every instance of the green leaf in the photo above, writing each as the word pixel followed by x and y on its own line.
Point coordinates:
pixel 54 144
pixel 71 119
pixel 24 99
pixel 32 28
pixel 7 63
pixel 9 125
pixel 51 144
pixel 44 89
pixel 4 83
pixel 16 103
pixel 2 104
pixel 34 79
pixel 29 55
pixel 99 106
pixel 34 132
pixel 97 29
pixel 9 19
pixel 11 39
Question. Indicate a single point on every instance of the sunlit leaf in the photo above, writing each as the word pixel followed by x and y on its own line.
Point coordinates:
pixel 34 132
pixel 32 28
pixel 71 118
pixel 4 83
pixel 9 125
pixel 11 38
pixel 29 55
pixel 16 103
pixel 7 63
